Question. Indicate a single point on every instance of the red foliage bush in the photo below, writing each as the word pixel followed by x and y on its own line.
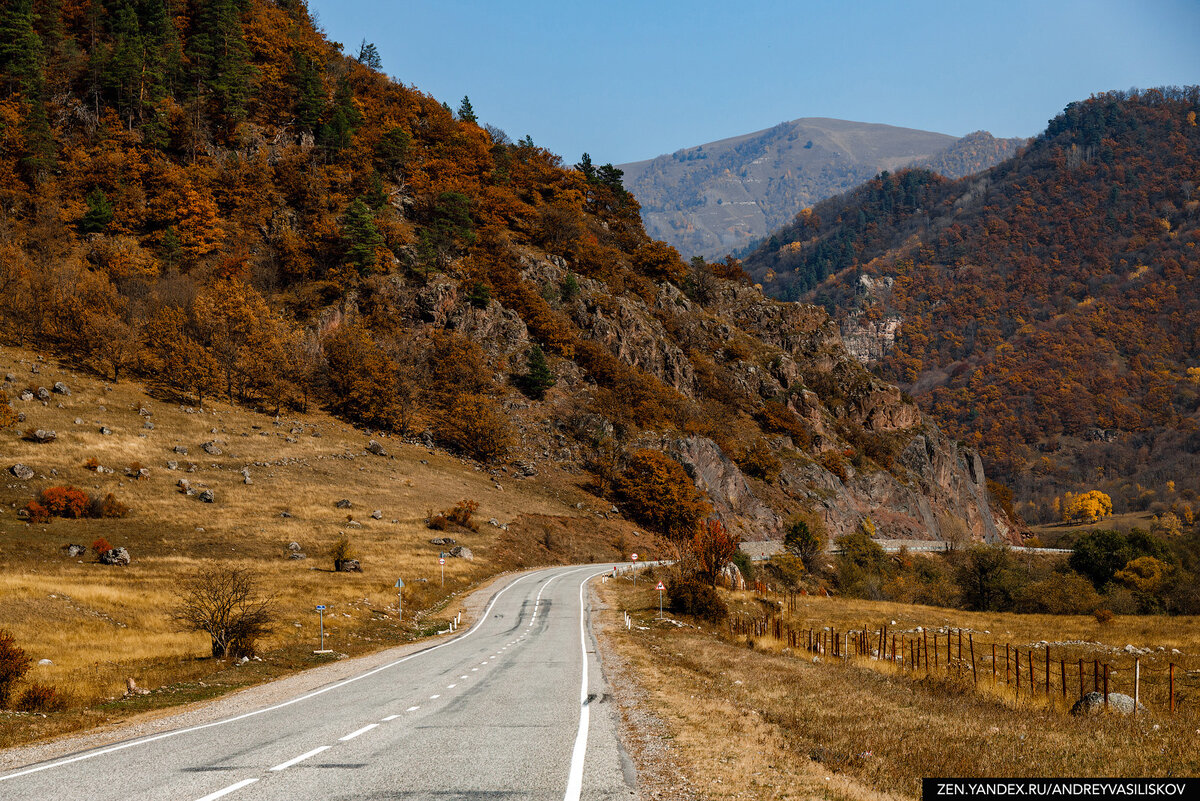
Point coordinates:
pixel 37 512
pixel 101 545
pixel 65 501
pixel 106 507
pixel 40 697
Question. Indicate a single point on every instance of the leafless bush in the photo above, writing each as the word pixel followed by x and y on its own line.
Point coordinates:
pixel 225 603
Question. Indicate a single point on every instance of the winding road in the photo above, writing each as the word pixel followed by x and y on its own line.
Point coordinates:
pixel 514 707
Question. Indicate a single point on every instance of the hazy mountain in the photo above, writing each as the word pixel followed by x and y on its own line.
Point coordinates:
pixel 719 197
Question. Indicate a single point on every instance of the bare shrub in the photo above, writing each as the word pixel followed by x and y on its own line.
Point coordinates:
pixel 226 604
pixel 462 514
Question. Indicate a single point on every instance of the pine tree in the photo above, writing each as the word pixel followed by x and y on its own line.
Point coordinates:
pixel 368 55
pixel 221 60
pixel 361 236
pixel 310 93
pixel 99 213
pixel 538 377
pixel 20 48
pixel 465 112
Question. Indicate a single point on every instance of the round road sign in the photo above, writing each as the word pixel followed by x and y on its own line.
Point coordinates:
pixel 633 557
pixel 441 560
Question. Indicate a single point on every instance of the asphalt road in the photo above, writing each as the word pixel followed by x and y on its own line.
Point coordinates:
pixel 515 707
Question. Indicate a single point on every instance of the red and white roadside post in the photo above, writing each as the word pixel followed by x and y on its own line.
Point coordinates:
pixel 442 562
pixel 633 558
pixel 660 589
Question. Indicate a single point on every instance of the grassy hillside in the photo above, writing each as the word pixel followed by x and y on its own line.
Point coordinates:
pixel 100 625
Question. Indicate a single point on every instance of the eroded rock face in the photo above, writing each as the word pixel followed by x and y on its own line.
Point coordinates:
pixel 734 502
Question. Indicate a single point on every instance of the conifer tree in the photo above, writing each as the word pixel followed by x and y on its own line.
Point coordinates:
pixel 538 377
pixel 368 55
pixel 99 213
pixel 361 236
pixel 465 112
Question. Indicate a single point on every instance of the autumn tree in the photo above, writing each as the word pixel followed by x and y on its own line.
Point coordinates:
pixel 805 538
pixel 175 358
pixel 657 491
pixel 714 547
pixel 477 426
pixel 1088 507
pixel 364 380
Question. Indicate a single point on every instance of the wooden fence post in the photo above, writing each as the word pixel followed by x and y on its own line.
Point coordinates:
pixel 1017 662
pixel 1063 665
pixel 1081 692
pixel 971 642
pixel 1106 685
pixel 1032 675
pixel 1137 683
pixel 1007 666
pixel 935 650
pixel 993 663
pixel 925 644
pixel 1171 672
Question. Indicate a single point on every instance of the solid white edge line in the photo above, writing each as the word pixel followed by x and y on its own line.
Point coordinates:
pixel 264 710
pixel 301 758
pixel 231 788
pixel 575 777
pixel 354 734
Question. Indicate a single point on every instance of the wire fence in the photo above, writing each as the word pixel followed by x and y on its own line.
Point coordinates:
pixel 1160 681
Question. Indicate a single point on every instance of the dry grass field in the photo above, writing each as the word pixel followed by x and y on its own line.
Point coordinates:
pixel 100 625
pixel 755 722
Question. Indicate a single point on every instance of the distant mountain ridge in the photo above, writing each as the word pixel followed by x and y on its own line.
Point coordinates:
pixel 719 197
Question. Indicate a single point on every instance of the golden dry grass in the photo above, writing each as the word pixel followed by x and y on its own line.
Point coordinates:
pixel 752 724
pixel 100 625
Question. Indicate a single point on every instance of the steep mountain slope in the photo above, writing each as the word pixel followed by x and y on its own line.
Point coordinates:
pixel 1046 309
pixel 220 199
pixel 719 197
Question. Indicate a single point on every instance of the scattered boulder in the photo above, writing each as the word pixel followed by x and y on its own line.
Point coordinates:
pixel 731 577
pixel 115 556
pixel 78 421
pixel 442 541
pixel 526 469
pixel 148 425
pixel 105 430
pixel 43 435
pixel 43 394
pixel 9 378
pixel 427 438
pixel 23 514
pixel 26 395
pixel 377 514
pixel 172 465
pixel 45 662
pixel 74 550
pixel 377 449
pixel 297 555
pixel 1093 704
pixel 347 566
pixel 61 388
pixel 294 546
pixel 183 484
pixel 462 552
pixel 211 448
pixel 207 496
pixel 23 472
pixel 182 451
pixel 285 514
pixel 344 503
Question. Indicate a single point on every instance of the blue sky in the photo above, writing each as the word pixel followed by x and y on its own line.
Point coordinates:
pixel 627 80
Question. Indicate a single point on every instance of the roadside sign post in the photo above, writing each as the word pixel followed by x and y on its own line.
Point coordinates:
pixel 442 562
pixel 321 612
pixel 400 599
pixel 633 558
pixel 660 592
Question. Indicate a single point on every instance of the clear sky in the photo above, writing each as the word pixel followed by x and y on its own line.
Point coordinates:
pixel 630 79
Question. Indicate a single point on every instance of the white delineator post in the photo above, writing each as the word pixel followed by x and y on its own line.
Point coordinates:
pixel 660 592
pixel 321 612
pixel 442 562
pixel 633 558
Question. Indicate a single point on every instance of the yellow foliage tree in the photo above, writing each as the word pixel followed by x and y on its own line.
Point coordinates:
pixel 1144 574
pixel 1088 507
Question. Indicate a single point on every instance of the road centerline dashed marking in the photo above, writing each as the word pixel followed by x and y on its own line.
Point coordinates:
pixel 451 686
pixel 390 717
pixel 301 758
pixel 354 734
pixel 231 788
pixel 412 709
pixel 434 696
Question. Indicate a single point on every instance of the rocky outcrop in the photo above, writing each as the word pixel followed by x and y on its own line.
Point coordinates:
pixel 869 340
pixel 734 502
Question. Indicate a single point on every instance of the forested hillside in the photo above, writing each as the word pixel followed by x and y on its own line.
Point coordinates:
pixel 1049 306
pixel 210 195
